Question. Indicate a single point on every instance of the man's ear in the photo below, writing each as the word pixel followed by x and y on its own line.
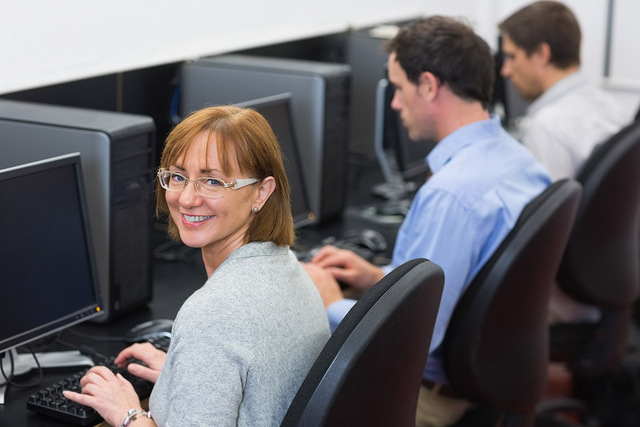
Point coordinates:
pixel 429 85
pixel 542 54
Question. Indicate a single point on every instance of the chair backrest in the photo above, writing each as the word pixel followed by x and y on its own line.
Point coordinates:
pixel 600 265
pixel 495 350
pixel 370 370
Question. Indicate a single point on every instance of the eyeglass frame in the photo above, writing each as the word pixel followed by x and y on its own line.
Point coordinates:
pixel 236 184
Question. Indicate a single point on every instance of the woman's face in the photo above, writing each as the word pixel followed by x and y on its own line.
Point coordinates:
pixel 217 224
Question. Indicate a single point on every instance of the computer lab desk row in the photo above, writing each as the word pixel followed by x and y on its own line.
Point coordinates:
pixel 174 281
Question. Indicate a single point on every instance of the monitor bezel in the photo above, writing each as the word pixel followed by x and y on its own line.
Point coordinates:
pixel 81 314
pixel 308 216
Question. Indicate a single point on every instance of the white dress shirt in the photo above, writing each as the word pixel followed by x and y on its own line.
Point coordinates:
pixel 567 121
pixel 561 128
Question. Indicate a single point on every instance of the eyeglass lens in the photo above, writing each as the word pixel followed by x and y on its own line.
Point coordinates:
pixel 206 186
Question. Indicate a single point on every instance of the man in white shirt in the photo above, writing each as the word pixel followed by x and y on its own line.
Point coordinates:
pixel 568 115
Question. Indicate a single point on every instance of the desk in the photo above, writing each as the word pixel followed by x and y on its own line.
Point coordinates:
pixel 174 282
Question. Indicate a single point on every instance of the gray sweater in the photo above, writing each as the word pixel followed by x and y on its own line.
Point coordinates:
pixel 242 344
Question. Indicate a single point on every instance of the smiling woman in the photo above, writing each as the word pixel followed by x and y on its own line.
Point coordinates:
pixel 203 217
pixel 228 143
pixel 223 187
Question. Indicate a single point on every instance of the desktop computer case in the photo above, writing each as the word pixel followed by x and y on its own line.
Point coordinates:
pixel 367 58
pixel 320 108
pixel 118 160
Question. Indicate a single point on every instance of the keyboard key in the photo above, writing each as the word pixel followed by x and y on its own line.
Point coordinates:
pixel 50 401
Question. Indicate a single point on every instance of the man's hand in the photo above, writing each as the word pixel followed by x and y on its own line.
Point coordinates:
pixel 347 267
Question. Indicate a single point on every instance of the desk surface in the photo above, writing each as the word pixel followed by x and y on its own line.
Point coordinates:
pixel 174 281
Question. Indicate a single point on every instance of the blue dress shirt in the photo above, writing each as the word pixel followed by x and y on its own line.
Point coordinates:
pixel 482 179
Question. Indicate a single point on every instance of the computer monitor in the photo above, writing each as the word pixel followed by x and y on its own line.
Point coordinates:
pixel 506 102
pixel 410 154
pixel 401 159
pixel 277 110
pixel 48 275
pixel 118 161
pixel 320 108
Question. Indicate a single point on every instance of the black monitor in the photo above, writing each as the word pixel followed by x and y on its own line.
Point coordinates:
pixel 48 275
pixel 506 102
pixel 277 110
pixel 410 154
pixel 401 159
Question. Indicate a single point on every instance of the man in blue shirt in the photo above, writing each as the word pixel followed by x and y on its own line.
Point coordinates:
pixel 482 178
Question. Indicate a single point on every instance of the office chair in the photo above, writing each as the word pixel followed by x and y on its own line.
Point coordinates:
pixel 495 349
pixel 369 372
pixel 601 264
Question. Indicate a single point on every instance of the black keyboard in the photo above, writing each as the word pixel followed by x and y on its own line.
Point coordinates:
pixel 305 254
pixel 161 340
pixel 50 400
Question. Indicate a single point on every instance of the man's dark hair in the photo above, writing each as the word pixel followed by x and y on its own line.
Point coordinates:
pixel 548 22
pixel 450 50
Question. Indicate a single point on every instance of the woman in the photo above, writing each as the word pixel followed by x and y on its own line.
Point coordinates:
pixel 242 344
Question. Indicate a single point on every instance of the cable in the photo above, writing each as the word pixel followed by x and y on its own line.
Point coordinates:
pixel 100 338
pixel 87 351
pixel 9 378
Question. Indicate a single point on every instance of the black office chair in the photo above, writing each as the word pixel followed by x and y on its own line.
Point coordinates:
pixel 369 372
pixel 601 263
pixel 495 349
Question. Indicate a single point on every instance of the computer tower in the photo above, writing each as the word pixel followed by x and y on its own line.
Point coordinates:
pixel 320 105
pixel 118 154
pixel 367 58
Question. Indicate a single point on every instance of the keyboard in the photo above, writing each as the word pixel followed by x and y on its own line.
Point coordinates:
pixel 305 254
pixel 50 401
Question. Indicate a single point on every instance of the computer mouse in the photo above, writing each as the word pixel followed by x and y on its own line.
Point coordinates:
pixel 145 330
pixel 368 238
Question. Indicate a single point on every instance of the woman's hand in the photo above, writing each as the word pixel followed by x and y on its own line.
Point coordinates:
pixel 147 354
pixel 111 395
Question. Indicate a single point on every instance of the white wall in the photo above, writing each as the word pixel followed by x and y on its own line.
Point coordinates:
pixel 45 42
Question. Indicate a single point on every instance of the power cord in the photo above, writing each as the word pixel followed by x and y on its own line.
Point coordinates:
pixel 87 351
pixel 9 378
pixel 100 338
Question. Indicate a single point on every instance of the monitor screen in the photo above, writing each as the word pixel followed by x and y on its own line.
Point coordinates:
pixel 409 154
pixel 506 102
pixel 277 110
pixel 48 276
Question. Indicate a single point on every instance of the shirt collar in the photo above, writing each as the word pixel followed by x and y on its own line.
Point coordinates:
pixel 461 138
pixel 558 90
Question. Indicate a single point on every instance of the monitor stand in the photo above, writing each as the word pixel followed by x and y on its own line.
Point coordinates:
pixel 25 362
